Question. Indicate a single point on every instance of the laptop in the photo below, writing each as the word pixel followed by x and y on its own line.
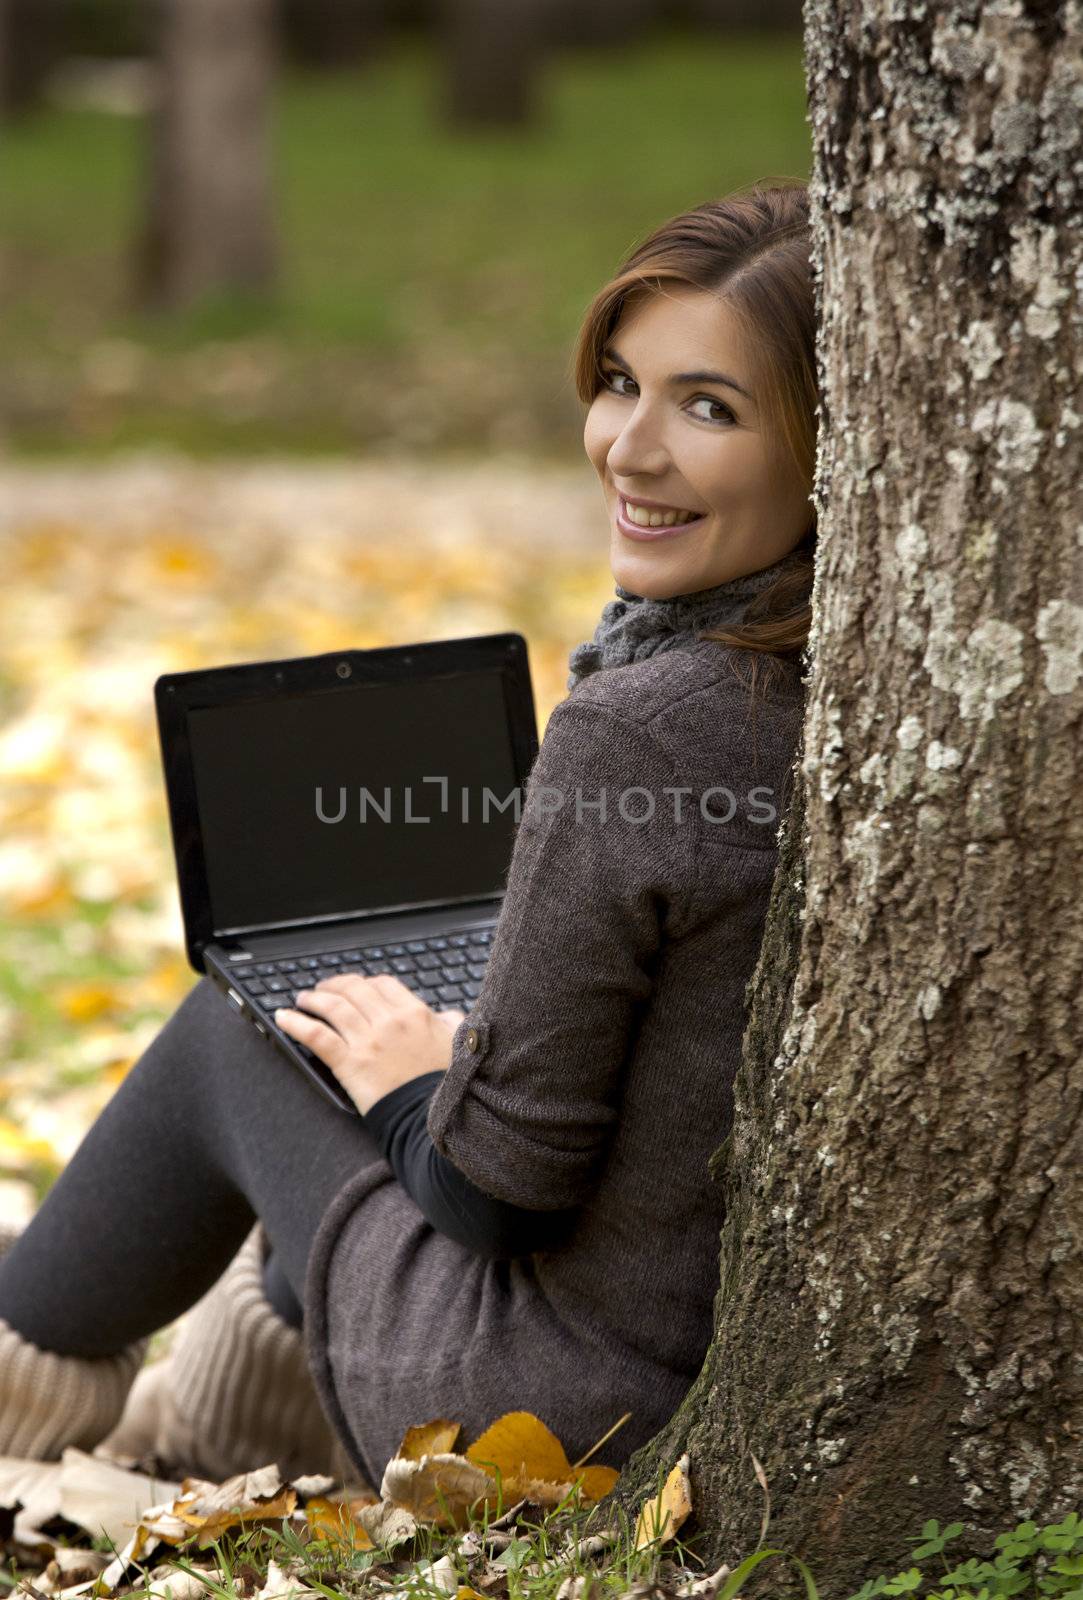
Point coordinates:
pixel 347 812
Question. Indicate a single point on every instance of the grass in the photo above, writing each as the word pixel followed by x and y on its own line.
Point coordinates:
pixel 431 283
pixel 541 1555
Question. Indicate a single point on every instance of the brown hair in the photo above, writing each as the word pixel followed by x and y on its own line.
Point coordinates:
pixel 752 249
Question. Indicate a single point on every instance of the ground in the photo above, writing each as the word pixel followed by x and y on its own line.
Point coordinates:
pixel 117 572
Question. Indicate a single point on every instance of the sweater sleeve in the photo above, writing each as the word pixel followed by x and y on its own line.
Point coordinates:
pixel 443 1195
pixel 601 872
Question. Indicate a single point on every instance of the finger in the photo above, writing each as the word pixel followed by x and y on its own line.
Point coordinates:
pixel 355 988
pixel 340 1009
pixel 451 1019
pixel 321 1039
pixel 393 990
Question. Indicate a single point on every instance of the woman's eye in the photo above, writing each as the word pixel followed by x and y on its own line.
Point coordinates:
pixel 723 414
pixel 610 375
pixel 719 406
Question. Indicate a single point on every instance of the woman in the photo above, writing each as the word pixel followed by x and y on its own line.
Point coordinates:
pixel 522 1218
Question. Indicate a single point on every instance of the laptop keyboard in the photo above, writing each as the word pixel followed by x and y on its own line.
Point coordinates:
pixel 444 970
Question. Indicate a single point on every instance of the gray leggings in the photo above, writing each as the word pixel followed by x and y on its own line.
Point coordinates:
pixel 210 1129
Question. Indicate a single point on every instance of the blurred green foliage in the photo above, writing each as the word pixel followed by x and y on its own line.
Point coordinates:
pixel 447 271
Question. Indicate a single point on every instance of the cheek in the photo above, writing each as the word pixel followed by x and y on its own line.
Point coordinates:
pixel 597 438
pixel 735 472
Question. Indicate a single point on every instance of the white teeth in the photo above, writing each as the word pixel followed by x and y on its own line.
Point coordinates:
pixel 656 519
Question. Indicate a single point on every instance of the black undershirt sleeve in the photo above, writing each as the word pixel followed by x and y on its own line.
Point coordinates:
pixel 443 1194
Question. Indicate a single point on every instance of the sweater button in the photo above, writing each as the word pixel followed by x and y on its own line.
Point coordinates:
pixel 471 1038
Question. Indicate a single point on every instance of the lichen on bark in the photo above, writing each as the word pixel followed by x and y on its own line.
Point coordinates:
pixel 901 1268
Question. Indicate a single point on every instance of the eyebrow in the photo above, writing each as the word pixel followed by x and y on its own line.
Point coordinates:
pixel 683 377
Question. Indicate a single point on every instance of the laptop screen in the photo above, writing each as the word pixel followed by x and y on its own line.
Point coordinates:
pixel 363 798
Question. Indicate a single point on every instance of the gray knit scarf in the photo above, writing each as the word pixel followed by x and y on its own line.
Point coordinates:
pixel 632 628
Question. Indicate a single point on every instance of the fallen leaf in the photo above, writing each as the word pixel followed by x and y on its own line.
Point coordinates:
pixel 103 1498
pixel 596 1482
pixel 520 1446
pixel 437 1438
pixel 34 1487
pixel 282 1584
pixel 176 1584
pixel 531 1461
pixel 210 1509
pixel 387 1524
pixel 338 1518
pixel 661 1517
pixel 82 1002
pixel 438 1488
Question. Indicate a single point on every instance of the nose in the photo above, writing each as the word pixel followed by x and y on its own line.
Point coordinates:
pixel 638 448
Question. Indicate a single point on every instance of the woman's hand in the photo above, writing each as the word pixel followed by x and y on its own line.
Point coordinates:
pixel 373 1033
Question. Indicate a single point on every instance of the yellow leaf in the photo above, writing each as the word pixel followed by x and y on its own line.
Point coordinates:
pixel 596 1482
pixel 464 1592
pixel 436 1438
pixel 336 1518
pixel 212 1524
pixel 185 562
pixel 519 1445
pixel 82 1002
pixel 661 1517
pixel 17 1149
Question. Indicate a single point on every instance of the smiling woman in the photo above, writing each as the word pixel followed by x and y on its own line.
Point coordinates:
pixel 697 362
pixel 593 1078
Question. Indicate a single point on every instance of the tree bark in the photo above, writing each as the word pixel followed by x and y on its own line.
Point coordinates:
pixel 332 34
pixel 210 225
pixel 898 1319
pixel 609 24
pixel 777 15
pixel 491 51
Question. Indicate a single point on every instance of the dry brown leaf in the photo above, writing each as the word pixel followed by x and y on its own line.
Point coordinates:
pixel 210 1524
pixel 281 1583
pixel 176 1584
pixel 387 1524
pixel 420 1486
pixel 106 1499
pixel 661 1517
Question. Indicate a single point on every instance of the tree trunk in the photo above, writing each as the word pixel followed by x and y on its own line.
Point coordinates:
pixel 609 24
pixel 778 15
pixel 210 225
pixel 332 34
pixel 898 1320
pixel 491 50
pixel 29 45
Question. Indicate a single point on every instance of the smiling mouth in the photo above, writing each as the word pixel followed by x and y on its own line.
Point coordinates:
pixel 655 517
pixel 665 525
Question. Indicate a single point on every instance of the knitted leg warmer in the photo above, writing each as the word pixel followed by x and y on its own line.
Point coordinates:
pixel 50 1401
pixel 234 1393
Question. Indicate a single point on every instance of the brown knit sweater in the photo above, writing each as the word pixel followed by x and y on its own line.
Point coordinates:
pixel 595 1070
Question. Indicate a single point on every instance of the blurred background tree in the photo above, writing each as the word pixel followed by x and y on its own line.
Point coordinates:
pixel 356 224
pixel 209 207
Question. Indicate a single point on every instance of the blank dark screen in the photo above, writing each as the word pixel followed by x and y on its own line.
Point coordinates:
pixel 258 766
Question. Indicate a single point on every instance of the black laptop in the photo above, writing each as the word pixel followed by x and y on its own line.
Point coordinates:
pixel 347 812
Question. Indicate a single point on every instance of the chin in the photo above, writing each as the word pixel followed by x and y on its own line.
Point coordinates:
pixel 639 579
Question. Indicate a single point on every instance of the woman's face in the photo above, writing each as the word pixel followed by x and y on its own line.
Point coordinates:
pixel 668 433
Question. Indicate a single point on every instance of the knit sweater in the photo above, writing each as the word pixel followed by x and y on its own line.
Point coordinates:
pixel 594 1072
